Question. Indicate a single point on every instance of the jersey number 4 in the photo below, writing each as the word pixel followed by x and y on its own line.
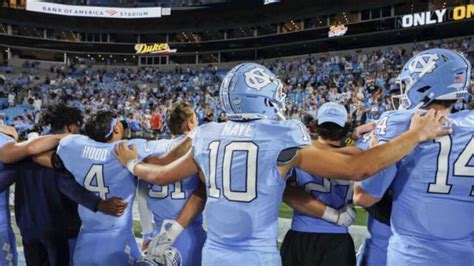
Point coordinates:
pixel 94 181
pixel 461 166
pixel 250 192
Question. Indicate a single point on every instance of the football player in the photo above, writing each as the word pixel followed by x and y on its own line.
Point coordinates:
pixel 432 187
pixel 103 239
pixel 245 161
pixel 166 202
pixel 307 207
pixel 373 251
pixel 11 152
pixel 324 240
pixel 48 221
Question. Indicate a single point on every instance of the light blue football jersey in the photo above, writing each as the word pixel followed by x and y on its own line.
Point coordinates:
pixel 433 195
pixel 373 251
pixel 4 209
pixel 332 192
pixel 244 186
pixel 166 202
pixel 94 166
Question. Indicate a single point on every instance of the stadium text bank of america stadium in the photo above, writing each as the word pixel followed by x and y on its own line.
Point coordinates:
pixel 250 132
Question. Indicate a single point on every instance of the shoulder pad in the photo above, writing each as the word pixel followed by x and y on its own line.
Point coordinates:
pixel 297 134
pixel 143 148
pixel 392 124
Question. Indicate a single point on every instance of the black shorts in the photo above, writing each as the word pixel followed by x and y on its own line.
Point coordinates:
pixel 47 252
pixel 317 249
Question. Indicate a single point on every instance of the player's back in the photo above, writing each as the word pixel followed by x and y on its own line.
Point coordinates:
pixel 334 193
pixel 94 166
pixel 433 195
pixel 166 202
pixel 239 161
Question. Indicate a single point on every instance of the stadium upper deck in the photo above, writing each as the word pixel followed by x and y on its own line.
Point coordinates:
pixel 230 31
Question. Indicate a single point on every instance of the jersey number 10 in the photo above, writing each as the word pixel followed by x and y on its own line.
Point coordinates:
pixel 250 192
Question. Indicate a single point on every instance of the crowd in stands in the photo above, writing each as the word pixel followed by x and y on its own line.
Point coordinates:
pixel 361 80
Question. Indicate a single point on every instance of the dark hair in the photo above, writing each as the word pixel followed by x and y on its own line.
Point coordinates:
pixel 59 116
pixel 98 126
pixel 332 131
pixel 179 114
pixel 307 119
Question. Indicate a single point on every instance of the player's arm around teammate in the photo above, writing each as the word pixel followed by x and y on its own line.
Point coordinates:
pixel 358 167
pixel 310 159
pixel 175 153
pixel 306 204
pixel 14 152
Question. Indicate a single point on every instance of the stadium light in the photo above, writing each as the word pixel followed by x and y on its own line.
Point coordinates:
pixel 267 2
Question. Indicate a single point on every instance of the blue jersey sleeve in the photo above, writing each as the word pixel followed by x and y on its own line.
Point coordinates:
pixel 379 183
pixel 389 127
pixel 61 151
pixel 144 148
pixel 392 124
pixel 157 148
pixel 195 135
pixel 297 135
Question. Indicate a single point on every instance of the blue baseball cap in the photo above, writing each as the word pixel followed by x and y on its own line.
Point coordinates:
pixel 332 112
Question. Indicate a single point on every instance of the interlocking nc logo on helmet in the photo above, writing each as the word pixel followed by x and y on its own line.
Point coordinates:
pixel 257 79
pixel 423 64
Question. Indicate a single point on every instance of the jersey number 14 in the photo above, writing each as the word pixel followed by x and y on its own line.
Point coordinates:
pixel 461 166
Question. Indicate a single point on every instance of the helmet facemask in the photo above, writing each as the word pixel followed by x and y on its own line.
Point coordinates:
pixel 279 102
pixel 401 101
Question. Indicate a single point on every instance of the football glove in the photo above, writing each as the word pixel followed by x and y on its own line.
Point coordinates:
pixel 344 217
pixel 170 230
